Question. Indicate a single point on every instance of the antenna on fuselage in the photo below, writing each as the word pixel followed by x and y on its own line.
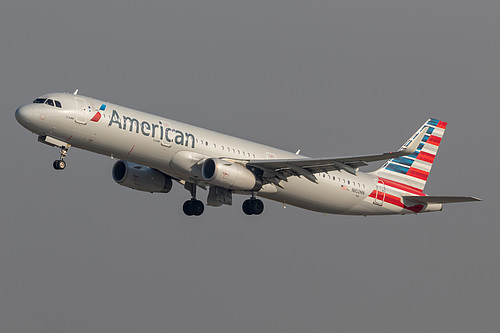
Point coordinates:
pixel 76 92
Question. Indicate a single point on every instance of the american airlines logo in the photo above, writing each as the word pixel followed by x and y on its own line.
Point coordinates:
pixel 158 131
pixel 96 117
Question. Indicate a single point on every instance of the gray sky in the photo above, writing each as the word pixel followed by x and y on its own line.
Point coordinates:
pixel 79 253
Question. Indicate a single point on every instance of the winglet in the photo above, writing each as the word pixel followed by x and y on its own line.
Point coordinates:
pixel 412 147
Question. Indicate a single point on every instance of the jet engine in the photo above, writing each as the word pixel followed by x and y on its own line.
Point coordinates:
pixel 141 178
pixel 229 175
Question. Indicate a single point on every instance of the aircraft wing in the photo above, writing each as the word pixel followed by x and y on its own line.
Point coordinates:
pixel 284 168
pixel 433 199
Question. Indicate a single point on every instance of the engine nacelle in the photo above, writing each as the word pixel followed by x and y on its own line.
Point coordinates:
pixel 141 178
pixel 229 175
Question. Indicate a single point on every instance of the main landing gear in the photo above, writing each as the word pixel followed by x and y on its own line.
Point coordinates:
pixel 253 206
pixel 195 207
pixel 192 207
pixel 61 164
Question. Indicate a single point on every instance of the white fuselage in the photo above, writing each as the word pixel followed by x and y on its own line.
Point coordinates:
pixel 166 144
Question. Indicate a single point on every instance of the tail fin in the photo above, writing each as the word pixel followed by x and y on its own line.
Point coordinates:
pixel 413 170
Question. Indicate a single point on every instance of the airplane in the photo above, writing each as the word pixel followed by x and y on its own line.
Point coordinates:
pixel 154 151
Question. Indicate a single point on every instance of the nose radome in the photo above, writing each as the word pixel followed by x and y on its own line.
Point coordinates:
pixel 24 114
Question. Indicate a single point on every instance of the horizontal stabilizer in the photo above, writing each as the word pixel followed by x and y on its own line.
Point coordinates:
pixel 432 199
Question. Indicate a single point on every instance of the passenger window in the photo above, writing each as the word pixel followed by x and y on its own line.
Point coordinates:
pixel 206 143
pixel 349 182
pixel 58 104
pixel 333 177
pixel 50 102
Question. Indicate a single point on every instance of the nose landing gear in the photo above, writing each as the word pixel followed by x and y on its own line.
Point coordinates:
pixel 61 164
pixel 63 146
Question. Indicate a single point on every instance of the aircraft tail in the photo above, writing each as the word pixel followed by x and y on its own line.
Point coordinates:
pixel 410 172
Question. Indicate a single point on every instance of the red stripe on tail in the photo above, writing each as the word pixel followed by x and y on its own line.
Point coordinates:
pixel 426 157
pixel 434 140
pixel 442 124
pixel 420 174
pixel 396 201
pixel 401 186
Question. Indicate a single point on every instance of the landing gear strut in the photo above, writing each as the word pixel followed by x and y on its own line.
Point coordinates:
pixel 61 164
pixel 253 206
pixel 192 207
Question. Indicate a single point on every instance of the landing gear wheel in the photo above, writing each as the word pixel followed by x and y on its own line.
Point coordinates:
pixel 246 207
pixel 193 207
pixel 253 207
pixel 197 207
pixel 256 206
pixel 59 164
pixel 187 208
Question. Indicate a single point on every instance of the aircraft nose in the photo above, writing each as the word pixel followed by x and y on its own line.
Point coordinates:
pixel 24 114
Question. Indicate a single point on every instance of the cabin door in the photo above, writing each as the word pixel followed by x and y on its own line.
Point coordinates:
pixel 81 111
pixel 379 194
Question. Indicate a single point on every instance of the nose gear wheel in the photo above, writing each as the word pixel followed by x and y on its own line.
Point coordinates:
pixel 61 164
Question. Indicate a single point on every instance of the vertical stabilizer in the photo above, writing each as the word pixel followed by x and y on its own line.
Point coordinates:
pixel 412 171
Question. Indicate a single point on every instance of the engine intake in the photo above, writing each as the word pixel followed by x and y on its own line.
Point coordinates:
pixel 232 176
pixel 141 178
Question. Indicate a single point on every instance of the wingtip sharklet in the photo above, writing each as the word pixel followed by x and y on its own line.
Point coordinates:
pixel 412 147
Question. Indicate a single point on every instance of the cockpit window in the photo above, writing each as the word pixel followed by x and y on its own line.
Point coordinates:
pixel 50 102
